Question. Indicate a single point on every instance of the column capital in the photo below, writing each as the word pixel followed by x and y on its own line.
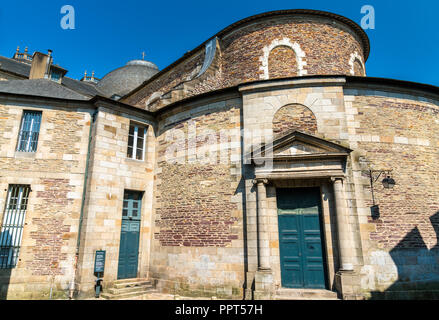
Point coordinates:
pixel 260 180
pixel 334 179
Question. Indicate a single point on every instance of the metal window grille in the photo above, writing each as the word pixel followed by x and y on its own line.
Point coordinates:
pixel 29 132
pixel 136 142
pixel 12 225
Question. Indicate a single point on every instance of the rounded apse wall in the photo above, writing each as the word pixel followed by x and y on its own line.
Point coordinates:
pixel 289 46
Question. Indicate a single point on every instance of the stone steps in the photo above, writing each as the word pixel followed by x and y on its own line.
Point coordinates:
pixel 117 291
pixel 128 288
pixel 305 294
pixel 131 283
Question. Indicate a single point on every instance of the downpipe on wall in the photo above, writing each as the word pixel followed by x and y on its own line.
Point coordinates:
pixel 72 286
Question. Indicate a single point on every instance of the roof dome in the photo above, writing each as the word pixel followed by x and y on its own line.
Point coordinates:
pixel 127 78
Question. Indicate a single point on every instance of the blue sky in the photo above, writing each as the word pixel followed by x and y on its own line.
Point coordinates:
pixel 404 43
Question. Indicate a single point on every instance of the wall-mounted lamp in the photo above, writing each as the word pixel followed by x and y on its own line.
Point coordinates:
pixel 388 182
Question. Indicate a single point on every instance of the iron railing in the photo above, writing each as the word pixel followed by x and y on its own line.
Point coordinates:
pixel 12 225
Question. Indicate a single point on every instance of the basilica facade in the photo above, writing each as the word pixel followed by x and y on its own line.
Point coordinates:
pixel 263 164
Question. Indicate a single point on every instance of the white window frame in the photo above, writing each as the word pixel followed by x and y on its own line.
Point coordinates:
pixel 28 141
pixel 133 154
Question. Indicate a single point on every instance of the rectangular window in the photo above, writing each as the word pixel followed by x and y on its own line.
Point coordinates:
pixel 29 131
pixel 55 76
pixel 12 225
pixel 136 142
pixel 132 204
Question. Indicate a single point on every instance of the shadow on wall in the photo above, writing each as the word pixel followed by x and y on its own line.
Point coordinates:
pixel 418 267
pixel 5 256
pixel 5 276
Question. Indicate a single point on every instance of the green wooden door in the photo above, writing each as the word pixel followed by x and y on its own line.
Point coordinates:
pixel 300 238
pixel 130 235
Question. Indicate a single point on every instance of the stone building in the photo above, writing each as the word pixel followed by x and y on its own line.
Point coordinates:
pixel 262 164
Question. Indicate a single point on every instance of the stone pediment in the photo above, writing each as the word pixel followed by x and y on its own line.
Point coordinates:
pixel 297 148
pixel 300 145
pixel 298 155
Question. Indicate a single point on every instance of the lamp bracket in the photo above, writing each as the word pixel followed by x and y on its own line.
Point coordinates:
pixel 380 172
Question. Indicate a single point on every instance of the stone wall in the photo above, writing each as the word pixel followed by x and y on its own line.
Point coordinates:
pixel 55 174
pixel 398 132
pixel 263 105
pixel 165 82
pixel 293 45
pixel 294 117
pixel 282 63
pixel 199 218
pixel 198 225
pixel 110 173
pixel 324 48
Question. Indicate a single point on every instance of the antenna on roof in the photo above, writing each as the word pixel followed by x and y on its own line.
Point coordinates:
pixel 143 55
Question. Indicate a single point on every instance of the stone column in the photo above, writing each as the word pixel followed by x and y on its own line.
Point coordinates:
pixel 264 279
pixel 263 235
pixel 344 236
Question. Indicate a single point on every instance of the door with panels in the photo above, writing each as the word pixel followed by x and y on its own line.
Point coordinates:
pixel 300 238
pixel 130 235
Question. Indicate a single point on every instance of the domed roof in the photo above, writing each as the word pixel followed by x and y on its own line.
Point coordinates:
pixel 125 79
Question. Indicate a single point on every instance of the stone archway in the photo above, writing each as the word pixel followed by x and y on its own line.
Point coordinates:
pixel 285 42
pixel 357 65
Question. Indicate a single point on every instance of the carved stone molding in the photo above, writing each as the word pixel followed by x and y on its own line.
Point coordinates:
pixel 333 179
pixel 260 180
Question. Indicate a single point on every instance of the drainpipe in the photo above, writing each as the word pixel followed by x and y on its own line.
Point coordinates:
pixel 81 217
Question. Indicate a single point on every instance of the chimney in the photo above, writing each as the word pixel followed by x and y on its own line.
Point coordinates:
pixel 40 65
pixel 43 68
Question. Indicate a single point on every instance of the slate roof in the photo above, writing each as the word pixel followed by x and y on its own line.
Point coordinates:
pixel 125 79
pixel 15 67
pixel 41 88
pixel 81 87
pixel 23 69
